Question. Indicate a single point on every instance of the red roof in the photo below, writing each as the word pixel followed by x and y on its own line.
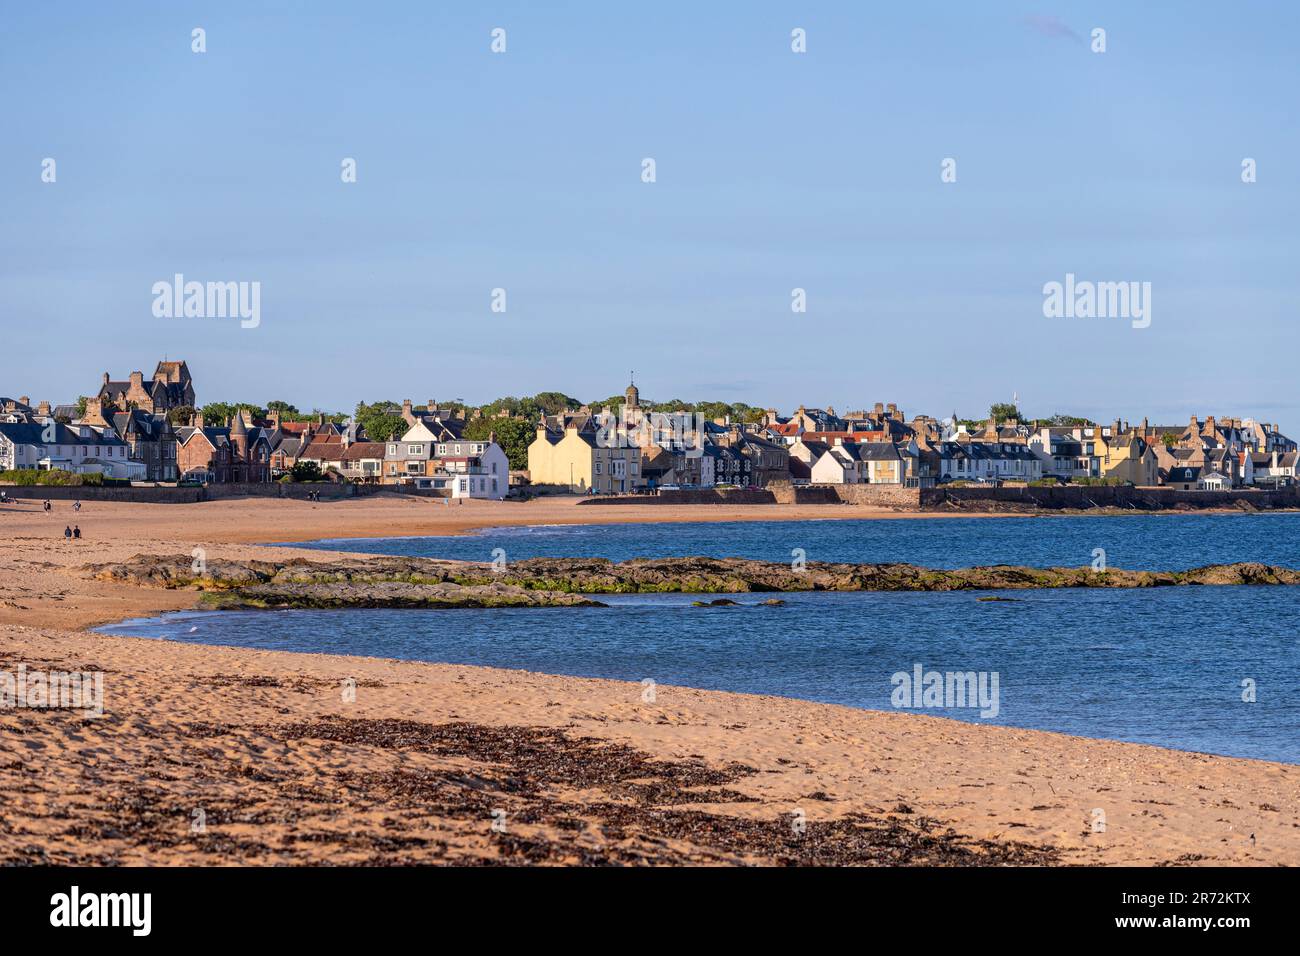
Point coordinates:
pixel 323 450
pixel 364 449
pixel 295 428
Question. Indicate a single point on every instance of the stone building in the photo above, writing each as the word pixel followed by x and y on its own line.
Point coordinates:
pixel 171 387
pixel 233 454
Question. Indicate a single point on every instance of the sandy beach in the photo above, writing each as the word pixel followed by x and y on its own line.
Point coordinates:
pixel 443 763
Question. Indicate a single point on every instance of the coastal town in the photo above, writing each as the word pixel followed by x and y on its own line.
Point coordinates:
pixel 154 431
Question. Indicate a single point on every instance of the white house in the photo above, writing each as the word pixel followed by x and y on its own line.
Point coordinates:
pixel 1213 481
pixel 466 467
pixel 842 464
pixel 988 461
pixel 477 469
pixel 1274 467
pixel 80 449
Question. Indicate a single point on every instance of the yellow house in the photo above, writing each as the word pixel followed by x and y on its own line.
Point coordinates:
pixel 1128 457
pixel 576 459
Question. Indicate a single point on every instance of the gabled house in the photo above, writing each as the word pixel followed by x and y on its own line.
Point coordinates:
pixel 363 461
pixel 231 454
pixel 1274 469
pixel 325 451
pixel 803 455
pixel 1183 477
pixel 569 451
pixel 1127 456
pixel 840 465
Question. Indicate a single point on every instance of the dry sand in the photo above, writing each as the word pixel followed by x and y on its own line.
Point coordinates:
pixel 420 765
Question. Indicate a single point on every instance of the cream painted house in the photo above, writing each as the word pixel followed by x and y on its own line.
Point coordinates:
pixel 575 458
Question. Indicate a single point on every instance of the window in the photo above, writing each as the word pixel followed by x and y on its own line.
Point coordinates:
pixel 415 449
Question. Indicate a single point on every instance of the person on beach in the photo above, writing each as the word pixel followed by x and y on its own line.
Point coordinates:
pixel 67 533
pixel 76 506
pixel 46 506
pixel 76 531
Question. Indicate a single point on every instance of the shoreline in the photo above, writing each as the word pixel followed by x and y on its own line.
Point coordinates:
pixel 621 686
pixel 427 748
pixel 753 696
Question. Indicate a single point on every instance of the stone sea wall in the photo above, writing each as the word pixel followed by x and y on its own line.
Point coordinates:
pixel 1083 497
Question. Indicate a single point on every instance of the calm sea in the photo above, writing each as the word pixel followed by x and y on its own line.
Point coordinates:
pixel 1138 542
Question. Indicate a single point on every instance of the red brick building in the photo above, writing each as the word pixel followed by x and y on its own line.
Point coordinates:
pixel 227 455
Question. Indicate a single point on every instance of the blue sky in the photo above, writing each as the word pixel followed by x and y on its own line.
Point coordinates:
pixel 775 171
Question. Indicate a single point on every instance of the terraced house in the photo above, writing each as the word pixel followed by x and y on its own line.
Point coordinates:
pixel 568 452
pixel 81 449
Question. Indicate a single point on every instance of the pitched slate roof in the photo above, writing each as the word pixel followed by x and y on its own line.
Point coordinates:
pixel 217 437
pixel 877 451
pixel 152 427
pixel 33 433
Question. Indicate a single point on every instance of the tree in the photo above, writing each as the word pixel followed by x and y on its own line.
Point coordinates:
pixel 180 415
pixel 514 435
pixel 284 408
pixel 1067 421
pixel 1001 411
pixel 381 421
pixel 552 403
pixel 217 413
pixel 81 406
pixel 306 471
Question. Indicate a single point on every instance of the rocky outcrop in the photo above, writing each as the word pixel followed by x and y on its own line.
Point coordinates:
pixel 299 583
pixel 735 575
pixel 559 582
pixel 391 594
